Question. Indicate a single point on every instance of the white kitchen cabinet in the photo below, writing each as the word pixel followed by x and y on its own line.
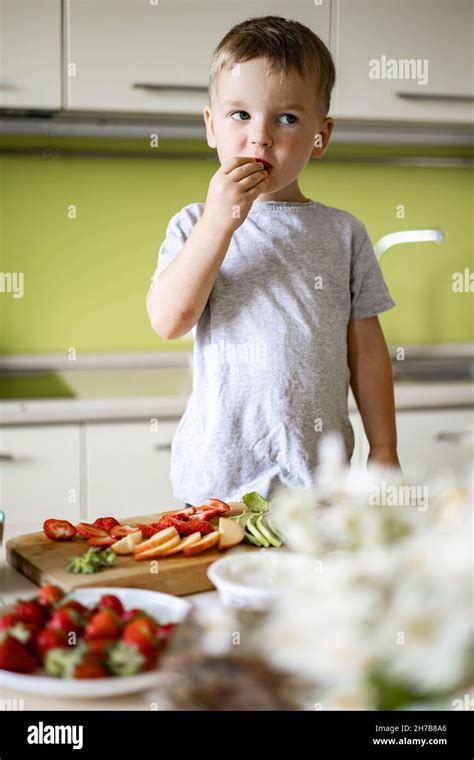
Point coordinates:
pixel 435 31
pixel 40 474
pixel 119 54
pixel 30 54
pixel 427 438
pixel 127 468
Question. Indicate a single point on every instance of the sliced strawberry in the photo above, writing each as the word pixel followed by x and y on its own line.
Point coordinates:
pixel 167 521
pixel 221 506
pixel 185 528
pixel 149 530
pixel 86 530
pixel 101 541
pixel 120 531
pixel 182 514
pixel 206 514
pixel 59 530
pixel 105 523
pixel 49 595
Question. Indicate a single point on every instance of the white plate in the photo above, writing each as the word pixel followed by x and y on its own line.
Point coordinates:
pixel 164 607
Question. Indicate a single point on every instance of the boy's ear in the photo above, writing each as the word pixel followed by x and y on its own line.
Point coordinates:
pixel 211 140
pixel 321 138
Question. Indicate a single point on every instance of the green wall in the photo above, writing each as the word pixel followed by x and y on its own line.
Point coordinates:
pixel 86 278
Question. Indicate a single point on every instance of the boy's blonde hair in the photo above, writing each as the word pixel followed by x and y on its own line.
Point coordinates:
pixel 285 45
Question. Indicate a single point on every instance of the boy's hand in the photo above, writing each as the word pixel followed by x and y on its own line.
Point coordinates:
pixel 232 190
pixel 384 455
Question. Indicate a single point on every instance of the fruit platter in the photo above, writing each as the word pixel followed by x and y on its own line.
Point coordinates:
pixel 91 642
pixel 167 552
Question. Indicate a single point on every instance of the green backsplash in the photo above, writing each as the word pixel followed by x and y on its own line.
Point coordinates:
pixel 86 279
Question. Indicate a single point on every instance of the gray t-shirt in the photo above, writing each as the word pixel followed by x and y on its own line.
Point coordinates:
pixel 270 355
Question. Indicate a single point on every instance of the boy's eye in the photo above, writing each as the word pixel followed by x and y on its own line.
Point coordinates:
pixel 292 116
pixel 239 113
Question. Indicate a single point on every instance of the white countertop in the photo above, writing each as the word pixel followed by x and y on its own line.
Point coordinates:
pixel 143 392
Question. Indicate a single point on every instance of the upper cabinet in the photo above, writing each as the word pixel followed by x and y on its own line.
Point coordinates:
pixel 153 57
pixel 407 61
pixel 30 54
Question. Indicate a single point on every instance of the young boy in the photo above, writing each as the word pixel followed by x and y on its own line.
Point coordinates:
pixel 281 291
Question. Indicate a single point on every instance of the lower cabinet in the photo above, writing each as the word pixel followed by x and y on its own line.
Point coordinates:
pixel 429 439
pixel 40 474
pixel 87 470
pixel 127 468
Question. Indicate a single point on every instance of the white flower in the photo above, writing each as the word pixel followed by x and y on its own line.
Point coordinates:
pixel 219 628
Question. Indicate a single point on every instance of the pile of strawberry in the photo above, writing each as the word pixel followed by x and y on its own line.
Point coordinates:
pixel 105 531
pixel 188 521
pixel 70 640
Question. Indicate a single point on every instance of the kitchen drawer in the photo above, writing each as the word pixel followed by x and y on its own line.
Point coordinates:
pixel 30 54
pixel 427 438
pixel 427 30
pixel 127 468
pixel 121 54
pixel 39 474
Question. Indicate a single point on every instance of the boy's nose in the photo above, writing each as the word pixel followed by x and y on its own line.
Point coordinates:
pixel 262 139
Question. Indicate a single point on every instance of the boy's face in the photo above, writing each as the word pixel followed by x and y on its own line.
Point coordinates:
pixel 255 114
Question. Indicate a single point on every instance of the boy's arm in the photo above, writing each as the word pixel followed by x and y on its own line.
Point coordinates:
pixel 176 299
pixel 372 385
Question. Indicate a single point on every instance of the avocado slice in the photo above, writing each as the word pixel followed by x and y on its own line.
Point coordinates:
pixel 270 525
pixel 254 529
pixel 266 533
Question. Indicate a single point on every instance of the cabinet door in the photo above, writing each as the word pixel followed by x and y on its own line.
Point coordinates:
pixel 128 468
pixel 39 474
pixel 428 438
pixel 30 54
pixel 119 56
pixel 434 31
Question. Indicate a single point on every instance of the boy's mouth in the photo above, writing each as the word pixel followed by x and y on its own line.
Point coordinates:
pixel 266 164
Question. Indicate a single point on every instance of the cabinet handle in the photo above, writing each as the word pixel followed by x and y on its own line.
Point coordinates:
pixel 155 87
pixel 6 457
pixel 446 97
pixel 446 435
pixel 163 446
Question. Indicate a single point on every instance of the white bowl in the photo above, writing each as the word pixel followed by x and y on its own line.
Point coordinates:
pixel 255 580
pixel 164 607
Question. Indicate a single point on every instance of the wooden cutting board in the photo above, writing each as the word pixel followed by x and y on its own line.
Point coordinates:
pixel 44 561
